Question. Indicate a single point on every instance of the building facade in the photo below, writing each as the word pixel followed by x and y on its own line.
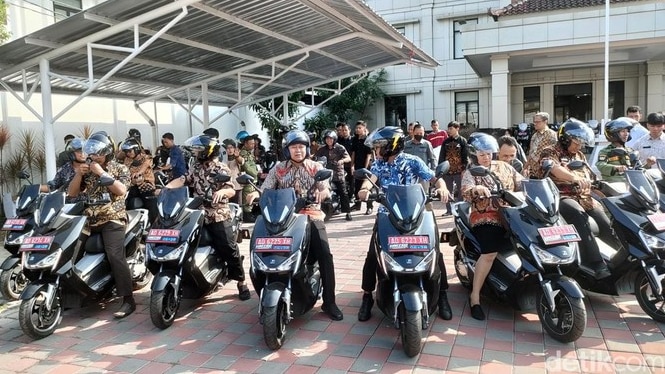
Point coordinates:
pixel 500 63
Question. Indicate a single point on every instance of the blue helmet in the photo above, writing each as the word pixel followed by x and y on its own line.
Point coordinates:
pixel 481 142
pixel 575 129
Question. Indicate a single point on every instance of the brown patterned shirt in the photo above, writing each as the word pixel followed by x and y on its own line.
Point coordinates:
pixel 454 151
pixel 135 164
pixel 338 152
pixel 540 140
pixel 113 211
pixel 287 174
pixel 198 178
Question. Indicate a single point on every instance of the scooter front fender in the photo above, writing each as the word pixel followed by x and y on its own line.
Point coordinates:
pixel 32 289
pixel 9 263
pixel 271 294
pixel 162 280
pixel 413 301
pixel 567 284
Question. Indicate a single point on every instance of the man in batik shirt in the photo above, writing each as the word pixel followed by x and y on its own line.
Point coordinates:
pixel 542 138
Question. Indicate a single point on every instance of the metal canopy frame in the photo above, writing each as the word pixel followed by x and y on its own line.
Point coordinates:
pixel 221 52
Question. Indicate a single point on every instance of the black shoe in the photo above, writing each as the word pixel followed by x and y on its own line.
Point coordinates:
pixel 243 292
pixel 446 214
pixel 477 312
pixel 348 217
pixel 332 311
pixel 356 206
pixel 365 311
pixel 445 311
pixel 126 309
pixel 369 211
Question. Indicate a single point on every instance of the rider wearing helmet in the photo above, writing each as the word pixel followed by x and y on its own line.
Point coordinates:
pixel 394 167
pixel 218 219
pixel 140 168
pixel 104 179
pixel 246 161
pixel 612 166
pixel 75 157
pixel 576 204
pixel 486 223
pixel 336 156
pixel 297 172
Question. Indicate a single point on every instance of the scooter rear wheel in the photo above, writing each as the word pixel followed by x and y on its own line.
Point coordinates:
pixel 567 323
pixel 164 307
pixel 274 325
pixel 36 321
pixel 411 331
pixel 12 282
pixel 649 302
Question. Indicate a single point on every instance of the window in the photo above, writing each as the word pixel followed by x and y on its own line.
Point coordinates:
pixel 531 103
pixel 466 108
pixel 616 99
pixel 572 100
pixel 400 29
pixel 395 111
pixel 66 8
pixel 457 36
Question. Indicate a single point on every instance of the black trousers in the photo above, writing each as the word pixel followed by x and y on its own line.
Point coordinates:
pixel 370 268
pixel 350 182
pixel 226 248
pixel 575 215
pixel 113 237
pixel 340 189
pixel 319 249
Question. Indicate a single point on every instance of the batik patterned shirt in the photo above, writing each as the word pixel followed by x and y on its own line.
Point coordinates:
pixel 540 140
pixel 299 176
pixel 199 178
pixel 113 211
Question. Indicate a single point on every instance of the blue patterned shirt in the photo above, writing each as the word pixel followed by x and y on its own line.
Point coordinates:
pixel 404 170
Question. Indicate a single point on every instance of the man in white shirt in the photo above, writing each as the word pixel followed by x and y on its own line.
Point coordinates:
pixel 638 131
pixel 652 145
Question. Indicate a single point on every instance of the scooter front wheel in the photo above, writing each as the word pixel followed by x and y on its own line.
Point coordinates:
pixel 411 331
pixel 164 306
pixel 36 320
pixel 568 321
pixel 12 282
pixel 652 305
pixel 274 325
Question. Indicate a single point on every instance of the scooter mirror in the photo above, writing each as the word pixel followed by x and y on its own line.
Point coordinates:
pixel 442 169
pixel 322 175
pixel 23 175
pixel 576 165
pixel 547 166
pixel 245 179
pixel 617 152
pixel 661 164
pixel 635 162
pixel 221 178
pixel 517 165
pixel 362 174
pixel 479 171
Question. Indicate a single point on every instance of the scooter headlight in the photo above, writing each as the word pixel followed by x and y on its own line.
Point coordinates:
pixel 390 264
pixel 49 261
pixel 164 253
pixel 427 263
pixel 19 239
pixel 548 258
pixel 652 242
pixel 286 265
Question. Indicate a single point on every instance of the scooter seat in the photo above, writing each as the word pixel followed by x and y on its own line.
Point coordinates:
pixel 206 238
pixel 94 244
pixel 464 211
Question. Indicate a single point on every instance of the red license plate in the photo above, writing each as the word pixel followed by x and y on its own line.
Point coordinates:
pixel 163 236
pixel 36 243
pixel 273 244
pixel 408 243
pixel 559 234
pixel 658 221
pixel 14 224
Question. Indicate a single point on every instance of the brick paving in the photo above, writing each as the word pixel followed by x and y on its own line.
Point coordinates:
pixel 221 334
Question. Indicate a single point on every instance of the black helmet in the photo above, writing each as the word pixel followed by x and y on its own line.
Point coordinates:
pixel 203 147
pixel 389 139
pixel 613 128
pixel 295 137
pixel 481 142
pixel 575 129
pixel 74 145
pixel 131 143
pixel 330 133
pixel 100 143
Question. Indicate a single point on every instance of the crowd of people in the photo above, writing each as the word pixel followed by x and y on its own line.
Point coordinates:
pixel 97 168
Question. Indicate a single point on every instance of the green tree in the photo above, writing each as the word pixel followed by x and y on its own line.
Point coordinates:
pixel 4 34
pixel 351 104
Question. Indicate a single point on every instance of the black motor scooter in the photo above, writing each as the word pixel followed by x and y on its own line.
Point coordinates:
pixel 12 279
pixel 67 267
pixel 407 250
pixel 180 254
pixel 529 271
pixel 285 277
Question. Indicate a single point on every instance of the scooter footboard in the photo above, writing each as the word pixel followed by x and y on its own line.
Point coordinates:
pixel 565 283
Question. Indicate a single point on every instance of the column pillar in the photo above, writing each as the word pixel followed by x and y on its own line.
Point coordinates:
pixel 47 118
pixel 655 92
pixel 500 101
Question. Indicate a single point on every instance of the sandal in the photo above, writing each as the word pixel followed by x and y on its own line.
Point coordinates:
pixel 243 292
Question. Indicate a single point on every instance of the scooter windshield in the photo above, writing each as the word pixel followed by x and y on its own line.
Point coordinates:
pixel 26 199
pixel 49 207
pixel 172 201
pixel 406 203
pixel 277 205
pixel 643 188
pixel 543 195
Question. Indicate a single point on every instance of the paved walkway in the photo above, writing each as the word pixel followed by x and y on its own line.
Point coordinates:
pixel 221 333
